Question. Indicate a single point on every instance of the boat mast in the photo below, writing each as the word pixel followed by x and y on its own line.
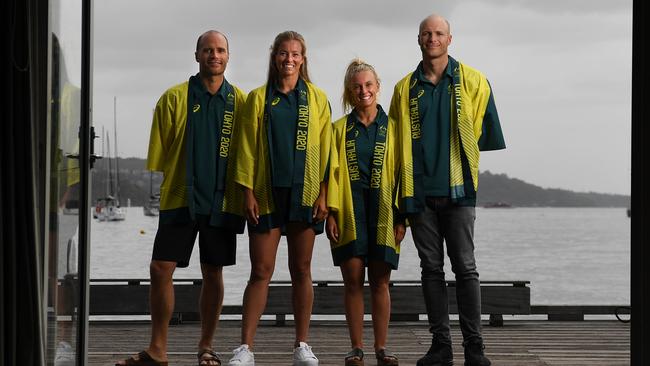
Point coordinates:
pixel 110 173
pixel 117 166
pixel 106 162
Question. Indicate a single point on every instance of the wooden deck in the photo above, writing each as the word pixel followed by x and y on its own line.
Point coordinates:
pixel 518 342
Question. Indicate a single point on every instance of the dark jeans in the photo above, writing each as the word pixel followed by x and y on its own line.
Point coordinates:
pixel 443 221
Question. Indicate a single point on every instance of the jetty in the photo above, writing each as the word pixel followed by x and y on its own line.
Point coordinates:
pixel 518 342
pixel 515 332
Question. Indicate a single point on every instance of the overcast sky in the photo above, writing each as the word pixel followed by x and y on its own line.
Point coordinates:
pixel 560 70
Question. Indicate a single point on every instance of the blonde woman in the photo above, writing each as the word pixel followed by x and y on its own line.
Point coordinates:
pixel 281 166
pixel 363 227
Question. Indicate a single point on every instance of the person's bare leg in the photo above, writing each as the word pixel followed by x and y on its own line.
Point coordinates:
pixel 262 250
pixel 379 277
pixel 210 303
pixel 300 239
pixel 353 272
pixel 161 304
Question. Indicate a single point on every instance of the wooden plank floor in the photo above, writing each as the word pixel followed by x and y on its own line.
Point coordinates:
pixel 518 342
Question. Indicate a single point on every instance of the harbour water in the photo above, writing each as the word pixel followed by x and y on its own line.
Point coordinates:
pixel 570 255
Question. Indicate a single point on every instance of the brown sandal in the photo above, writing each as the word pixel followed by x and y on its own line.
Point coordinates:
pixel 354 357
pixel 212 358
pixel 386 358
pixel 142 359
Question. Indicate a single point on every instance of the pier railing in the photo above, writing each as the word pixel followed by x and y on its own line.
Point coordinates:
pixel 119 297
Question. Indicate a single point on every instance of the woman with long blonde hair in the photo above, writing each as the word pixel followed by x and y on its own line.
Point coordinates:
pixel 281 166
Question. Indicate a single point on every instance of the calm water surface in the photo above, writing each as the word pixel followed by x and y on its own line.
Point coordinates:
pixel 570 255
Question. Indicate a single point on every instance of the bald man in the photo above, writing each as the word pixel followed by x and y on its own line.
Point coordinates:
pixel 446 115
pixel 192 147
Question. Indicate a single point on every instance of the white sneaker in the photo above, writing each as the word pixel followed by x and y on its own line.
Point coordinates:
pixel 64 355
pixel 242 356
pixel 303 356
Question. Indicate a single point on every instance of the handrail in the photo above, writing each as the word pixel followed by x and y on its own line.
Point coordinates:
pixel 136 281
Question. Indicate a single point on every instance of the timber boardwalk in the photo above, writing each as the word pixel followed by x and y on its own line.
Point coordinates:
pixel 560 337
pixel 517 342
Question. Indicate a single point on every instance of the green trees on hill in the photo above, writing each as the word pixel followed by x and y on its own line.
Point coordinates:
pixel 501 188
pixel 493 188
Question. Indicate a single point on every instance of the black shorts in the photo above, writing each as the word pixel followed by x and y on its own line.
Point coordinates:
pixel 174 243
pixel 281 214
pixel 282 201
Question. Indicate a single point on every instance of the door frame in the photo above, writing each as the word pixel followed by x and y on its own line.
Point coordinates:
pixel 86 160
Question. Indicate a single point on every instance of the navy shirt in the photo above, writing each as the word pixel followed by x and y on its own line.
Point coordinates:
pixel 283 122
pixel 365 138
pixel 435 113
pixel 207 125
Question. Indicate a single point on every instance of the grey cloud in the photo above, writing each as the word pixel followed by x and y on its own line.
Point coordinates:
pixel 521 25
pixel 155 22
pixel 555 66
pixel 602 7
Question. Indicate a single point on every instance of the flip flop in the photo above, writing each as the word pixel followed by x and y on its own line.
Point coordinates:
pixel 354 357
pixel 386 358
pixel 142 359
pixel 212 358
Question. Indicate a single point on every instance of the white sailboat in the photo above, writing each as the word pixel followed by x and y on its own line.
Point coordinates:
pixel 152 207
pixel 108 208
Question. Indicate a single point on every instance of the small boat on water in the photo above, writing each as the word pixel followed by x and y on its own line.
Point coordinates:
pixel 108 207
pixel 497 205
pixel 152 207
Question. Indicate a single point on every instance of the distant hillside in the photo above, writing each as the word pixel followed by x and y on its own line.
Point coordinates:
pixel 493 188
pixel 135 181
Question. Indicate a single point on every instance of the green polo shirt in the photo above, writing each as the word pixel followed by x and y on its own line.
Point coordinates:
pixel 284 116
pixel 435 113
pixel 365 138
pixel 207 126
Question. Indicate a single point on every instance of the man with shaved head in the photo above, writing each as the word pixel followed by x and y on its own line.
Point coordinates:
pixel 446 115
pixel 191 142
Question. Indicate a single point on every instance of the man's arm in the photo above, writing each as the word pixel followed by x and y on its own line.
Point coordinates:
pixel 160 133
pixel 491 135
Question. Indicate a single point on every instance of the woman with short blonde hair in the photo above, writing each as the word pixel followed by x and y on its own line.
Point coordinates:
pixel 363 226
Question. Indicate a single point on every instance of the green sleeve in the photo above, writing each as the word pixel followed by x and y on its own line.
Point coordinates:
pixel 491 135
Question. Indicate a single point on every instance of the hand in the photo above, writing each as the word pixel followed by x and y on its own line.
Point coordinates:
pixel 399 230
pixel 332 229
pixel 319 213
pixel 251 209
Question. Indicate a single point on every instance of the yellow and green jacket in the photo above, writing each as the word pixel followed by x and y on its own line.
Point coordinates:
pixel 470 96
pixel 168 154
pixel 253 167
pixel 340 191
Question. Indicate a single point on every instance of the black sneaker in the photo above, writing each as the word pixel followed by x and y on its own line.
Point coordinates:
pixel 439 354
pixel 474 355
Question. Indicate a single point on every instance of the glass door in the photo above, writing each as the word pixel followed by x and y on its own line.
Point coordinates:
pixel 68 206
